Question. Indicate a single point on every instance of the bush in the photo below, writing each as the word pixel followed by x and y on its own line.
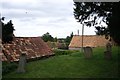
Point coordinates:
pixel 8 67
pixel 64 52
pixel 62 46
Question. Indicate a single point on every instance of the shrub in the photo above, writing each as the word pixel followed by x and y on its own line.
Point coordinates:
pixel 62 46
pixel 8 67
pixel 64 52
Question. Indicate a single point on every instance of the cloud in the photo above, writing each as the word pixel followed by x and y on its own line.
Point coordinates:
pixel 36 17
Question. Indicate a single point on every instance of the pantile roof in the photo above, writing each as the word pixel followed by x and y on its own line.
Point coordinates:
pixel 34 47
pixel 88 40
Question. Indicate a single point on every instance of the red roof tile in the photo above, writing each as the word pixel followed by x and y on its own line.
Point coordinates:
pixel 88 40
pixel 34 46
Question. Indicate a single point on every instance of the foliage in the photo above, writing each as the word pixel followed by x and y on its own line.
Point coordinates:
pixel 8 67
pixel 47 37
pixel 7 31
pixel 64 52
pixel 62 45
pixel 55 39
pixel 108 11
pixel 68 38
pixel 52 45
pixel 72 66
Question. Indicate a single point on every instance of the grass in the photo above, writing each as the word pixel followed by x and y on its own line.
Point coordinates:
pixel 72 65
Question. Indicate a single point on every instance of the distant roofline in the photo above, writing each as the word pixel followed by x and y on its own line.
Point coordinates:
pixel 28 37
pixel 89 35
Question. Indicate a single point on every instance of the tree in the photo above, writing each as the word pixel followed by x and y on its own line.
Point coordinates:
pixel 68 38
pixel 7 31
pixel 55 39
pixel 71 35
pixel 108 11
pixel 47 37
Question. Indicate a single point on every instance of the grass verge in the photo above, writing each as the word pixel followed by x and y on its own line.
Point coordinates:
pixel 72 65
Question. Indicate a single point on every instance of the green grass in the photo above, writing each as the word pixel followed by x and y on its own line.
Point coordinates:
pixel 72 65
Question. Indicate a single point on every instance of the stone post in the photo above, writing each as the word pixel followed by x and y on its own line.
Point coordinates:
pixel 88 52
pixel 22 63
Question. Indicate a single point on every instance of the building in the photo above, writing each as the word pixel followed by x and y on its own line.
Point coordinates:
pixel 88 40
pixel 34 47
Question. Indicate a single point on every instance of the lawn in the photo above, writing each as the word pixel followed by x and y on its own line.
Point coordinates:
pixel 72 65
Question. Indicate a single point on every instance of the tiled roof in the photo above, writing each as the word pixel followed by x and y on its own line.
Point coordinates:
pixel 34 46
pixel 88 40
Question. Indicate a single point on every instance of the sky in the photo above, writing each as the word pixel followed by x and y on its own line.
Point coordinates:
pixel 32 18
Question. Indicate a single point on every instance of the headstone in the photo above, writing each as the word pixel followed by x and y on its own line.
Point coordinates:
pixel 22 63
pixel 88 52
pixel 108 52
pixel 109 47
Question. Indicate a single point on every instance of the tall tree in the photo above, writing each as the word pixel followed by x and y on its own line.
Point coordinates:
pixel 47 37
pixel 55 39
pixel 68 38
pixel 7 31
pixel 89 13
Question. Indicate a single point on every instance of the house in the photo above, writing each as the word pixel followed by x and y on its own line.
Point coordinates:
pixel 88 40
pixel 34 47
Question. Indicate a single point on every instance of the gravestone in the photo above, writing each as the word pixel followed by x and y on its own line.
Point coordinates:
pixel 22 63
pixel 88 52
pixel 108 52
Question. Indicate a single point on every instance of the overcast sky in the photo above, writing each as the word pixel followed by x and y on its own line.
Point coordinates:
pixel 32 18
